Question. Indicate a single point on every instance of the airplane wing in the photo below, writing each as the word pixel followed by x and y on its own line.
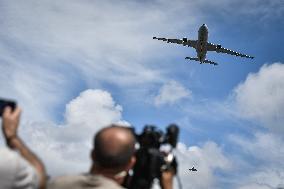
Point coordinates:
pixel 220 49
pixel 184 41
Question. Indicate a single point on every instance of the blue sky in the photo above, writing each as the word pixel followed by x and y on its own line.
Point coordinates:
pixel 76 66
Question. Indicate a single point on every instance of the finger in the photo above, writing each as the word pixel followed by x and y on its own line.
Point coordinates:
pixel 7 111
pixel 16 112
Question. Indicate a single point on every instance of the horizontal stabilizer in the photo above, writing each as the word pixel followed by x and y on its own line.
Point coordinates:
pixel 205 61
pixel 210 62
pixel 191 58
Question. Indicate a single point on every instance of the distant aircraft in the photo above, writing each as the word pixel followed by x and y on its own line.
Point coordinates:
pixel 192 169
pixel 202 46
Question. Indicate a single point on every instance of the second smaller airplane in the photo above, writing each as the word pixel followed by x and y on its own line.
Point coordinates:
pixel 192 169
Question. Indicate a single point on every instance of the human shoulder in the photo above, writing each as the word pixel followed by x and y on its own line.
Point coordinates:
pixel 68 181
pixel 16 172
pixel 83 181
pixel 7 167
pixel 104 182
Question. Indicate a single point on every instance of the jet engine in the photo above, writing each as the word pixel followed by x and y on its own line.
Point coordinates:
pixel 218 48
pixel 184 41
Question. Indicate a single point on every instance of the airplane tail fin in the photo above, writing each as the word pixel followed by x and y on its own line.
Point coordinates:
pixel 205 61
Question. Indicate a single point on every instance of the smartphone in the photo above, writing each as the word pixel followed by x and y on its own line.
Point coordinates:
pixel 4 103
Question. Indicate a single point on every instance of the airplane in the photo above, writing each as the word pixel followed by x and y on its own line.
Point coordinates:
pixel 192 169
pixel 202 46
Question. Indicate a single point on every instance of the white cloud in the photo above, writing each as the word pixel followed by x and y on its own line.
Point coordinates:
pixel 171 93
pixel 66 148
pixel 266 151
pixel 261 97
pixel 207 159
pixel 89 112
pixel 267 147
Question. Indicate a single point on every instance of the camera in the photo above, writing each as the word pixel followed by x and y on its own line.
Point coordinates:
pixel 151 161
pixel 4 103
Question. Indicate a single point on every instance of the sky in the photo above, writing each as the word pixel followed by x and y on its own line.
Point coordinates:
pixel 77 66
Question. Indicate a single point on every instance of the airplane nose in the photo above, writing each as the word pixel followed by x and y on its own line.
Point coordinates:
pixel 203 28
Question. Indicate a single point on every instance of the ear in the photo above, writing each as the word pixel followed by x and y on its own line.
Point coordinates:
pixel 131 163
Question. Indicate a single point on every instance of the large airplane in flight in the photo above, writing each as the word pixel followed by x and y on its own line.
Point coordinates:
pixel 202 46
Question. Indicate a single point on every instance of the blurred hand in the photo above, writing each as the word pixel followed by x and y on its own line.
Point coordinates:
pixel 10 122
pixel 167 179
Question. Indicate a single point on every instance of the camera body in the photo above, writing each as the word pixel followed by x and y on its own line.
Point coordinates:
pixel 150 160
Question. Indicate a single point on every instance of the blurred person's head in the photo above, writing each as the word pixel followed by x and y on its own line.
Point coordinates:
pixel 113 152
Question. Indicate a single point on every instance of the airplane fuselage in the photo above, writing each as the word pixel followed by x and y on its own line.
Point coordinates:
pixel 201 48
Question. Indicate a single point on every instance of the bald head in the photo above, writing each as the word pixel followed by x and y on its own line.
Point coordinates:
pixel 113 147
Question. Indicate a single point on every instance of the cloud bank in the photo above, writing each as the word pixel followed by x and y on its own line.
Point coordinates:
pixel 265 151
pixel 260 97
pixel 65 148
